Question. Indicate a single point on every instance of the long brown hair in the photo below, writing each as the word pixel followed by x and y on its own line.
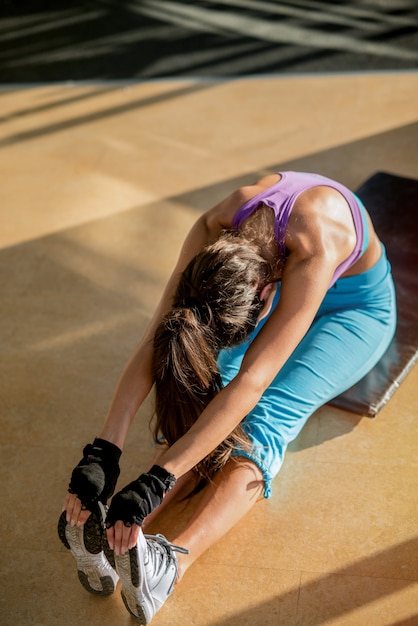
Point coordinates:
pixel 216 305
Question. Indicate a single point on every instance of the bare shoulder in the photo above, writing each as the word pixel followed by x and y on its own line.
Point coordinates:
pixel 221 215
pixel 324 205
pixel 321 214
pixel 321 199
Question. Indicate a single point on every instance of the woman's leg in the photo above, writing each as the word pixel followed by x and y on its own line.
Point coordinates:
pixel 224 501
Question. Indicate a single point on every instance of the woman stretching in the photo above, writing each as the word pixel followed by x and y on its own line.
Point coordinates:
pixel 281 299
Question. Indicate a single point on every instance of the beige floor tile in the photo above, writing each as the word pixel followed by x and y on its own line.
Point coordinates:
pixel 47 591
pixel 208 597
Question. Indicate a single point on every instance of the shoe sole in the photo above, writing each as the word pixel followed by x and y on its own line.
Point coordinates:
pixel 131 571
pixel 94 571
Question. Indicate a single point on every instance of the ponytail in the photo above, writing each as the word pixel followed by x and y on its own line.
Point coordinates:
pixel 185 372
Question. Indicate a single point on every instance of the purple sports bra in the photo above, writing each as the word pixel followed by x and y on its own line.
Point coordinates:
pixel 282 196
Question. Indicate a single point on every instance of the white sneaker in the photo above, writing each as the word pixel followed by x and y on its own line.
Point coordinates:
pixel 147 574
pixel 86 544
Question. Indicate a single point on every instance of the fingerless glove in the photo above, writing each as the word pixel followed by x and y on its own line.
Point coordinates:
pixel 138 499
pixel 94 478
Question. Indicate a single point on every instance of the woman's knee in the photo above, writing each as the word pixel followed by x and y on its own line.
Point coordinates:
pixel 244 473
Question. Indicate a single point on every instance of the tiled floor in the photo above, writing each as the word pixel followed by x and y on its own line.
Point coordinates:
pixel 99 185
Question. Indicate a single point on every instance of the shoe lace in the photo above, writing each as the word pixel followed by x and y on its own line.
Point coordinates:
pixel 162 553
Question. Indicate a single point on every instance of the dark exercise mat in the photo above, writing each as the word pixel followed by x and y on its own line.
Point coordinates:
pixel 392 203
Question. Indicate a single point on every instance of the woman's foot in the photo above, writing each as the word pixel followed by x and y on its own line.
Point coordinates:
pixel 148 573
pixel 86 544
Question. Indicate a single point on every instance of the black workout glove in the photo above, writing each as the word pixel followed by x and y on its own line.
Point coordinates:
pixel 138 499
pixel 95 476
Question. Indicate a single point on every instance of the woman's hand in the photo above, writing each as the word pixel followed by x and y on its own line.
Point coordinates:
pixel 122 538
pixel 94 477
pixel 76 513
pixel 131 505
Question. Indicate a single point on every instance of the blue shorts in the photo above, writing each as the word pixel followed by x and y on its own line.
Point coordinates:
pixel 350 333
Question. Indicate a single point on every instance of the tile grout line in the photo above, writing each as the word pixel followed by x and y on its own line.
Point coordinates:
pixel 298 599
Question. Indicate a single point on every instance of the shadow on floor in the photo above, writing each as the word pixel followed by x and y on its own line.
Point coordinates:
pixel 331 596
